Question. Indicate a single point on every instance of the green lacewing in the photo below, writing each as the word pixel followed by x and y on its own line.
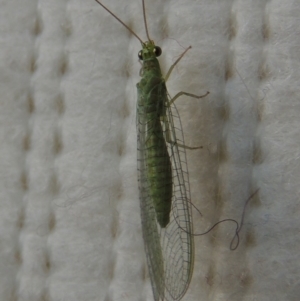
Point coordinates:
pixel 163 177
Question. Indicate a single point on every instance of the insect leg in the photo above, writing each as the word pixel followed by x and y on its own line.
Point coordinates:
pixel 168 136
pixel 176 62
pixel 187 94
pixel 168 133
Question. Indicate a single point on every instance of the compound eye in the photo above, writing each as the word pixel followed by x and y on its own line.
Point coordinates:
pixel 140 55
pixel 157 51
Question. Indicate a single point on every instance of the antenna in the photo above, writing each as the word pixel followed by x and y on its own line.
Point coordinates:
pixel 145 20
pixel 126 26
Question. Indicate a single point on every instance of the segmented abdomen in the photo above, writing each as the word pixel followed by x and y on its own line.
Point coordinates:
pixel 159 171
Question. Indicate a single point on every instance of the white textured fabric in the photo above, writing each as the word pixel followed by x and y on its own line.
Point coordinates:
pixel 69 211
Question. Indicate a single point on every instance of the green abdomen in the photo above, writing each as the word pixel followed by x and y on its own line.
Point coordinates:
pixel 159 173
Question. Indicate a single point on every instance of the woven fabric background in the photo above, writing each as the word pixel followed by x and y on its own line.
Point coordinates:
pixel 70 226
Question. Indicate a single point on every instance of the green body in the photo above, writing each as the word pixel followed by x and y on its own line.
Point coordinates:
pixel 154 165
pixel 163 184
pixel 152 101
pixel 163 177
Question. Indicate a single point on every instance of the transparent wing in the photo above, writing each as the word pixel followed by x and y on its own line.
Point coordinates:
pixel 169 250
pixel 177 241
pixel 150 227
